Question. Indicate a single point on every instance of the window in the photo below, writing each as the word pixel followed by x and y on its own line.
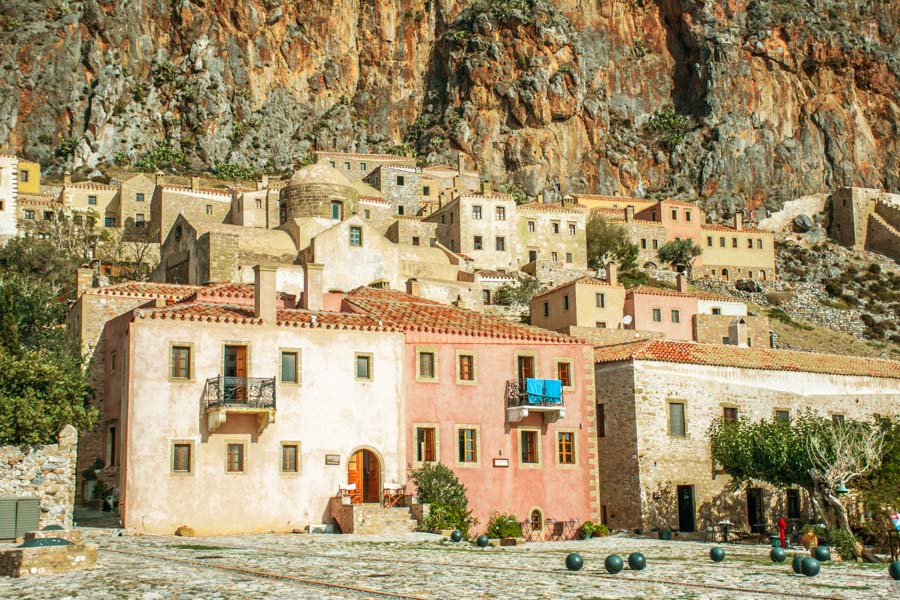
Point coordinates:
pixel 23 176
pixel 674 215
pixel 258 204
pixel 531 226
pixel 546 309
pixel 290 457
pixel 500 213
pixel 687 216
pixel 476 243
pixel 289 363
pixel 426 448
pixel 139 197
pixel 501 244
pixel 486 296
pixel 347 166
pixel 643 244
pixel 367 214
pixel 466 366
pixel 601 420
pixel 426 190
pixel 600 324
pixel 555 227
pixel 750 243
pixel 676 316
pixel 355 236
pixel 476 212
pixel 656 244
pixel 783 416
pixel 528 446
pixel 568 257
pixel 415 240
pixel 566 302
pixel 92 200
pixel 554 256
pixel 402 210
pixel 730 413
pixel 109 221
pixel 793 504
pixel 362 166
pixel 468 445
pixel 532 255
pixel 331 163
pixel 139 220
pixel 363 367
pixel 838 419
pixel 401 180
pixel 572 228
pixel 537 520
pixel 709 241
pixel 234 458
pixel 759 244
pixel 181 362
pixel 657 315
pixel 721 242
pixel 426 365
pixel 676 419
pixel 209 209
pixel 600 300
pixel 716 311
pixel 29 215
pixel 566 441
pixel 111 450
pixel 112 362
pixel 734 243
pixel 564 373
pixel 181 457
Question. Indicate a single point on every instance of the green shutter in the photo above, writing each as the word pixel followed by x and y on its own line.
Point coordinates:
pixel 28 513
pixel 7 518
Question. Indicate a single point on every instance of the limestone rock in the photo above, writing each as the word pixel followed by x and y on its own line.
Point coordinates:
pixel 748 285
pixel 803 223
pixel 185 531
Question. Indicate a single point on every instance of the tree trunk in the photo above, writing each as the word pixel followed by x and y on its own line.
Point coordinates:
pixel 817 507
pixel 844 523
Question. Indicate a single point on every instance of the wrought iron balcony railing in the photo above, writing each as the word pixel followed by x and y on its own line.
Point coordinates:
pixel 240 392
pixel 539 395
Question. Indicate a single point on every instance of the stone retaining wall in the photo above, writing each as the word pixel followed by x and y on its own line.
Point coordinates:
pixel 44 472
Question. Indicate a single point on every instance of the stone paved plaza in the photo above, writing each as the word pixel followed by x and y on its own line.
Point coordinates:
pixel 427 566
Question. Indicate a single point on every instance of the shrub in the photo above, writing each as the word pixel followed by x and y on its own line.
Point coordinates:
pixel 843 542
pixel 671 124
pixel 867 319
pixel 162 155
pixel 503 525
pixel 438 486
pixel 234 171
pixel 594 529
pixel 834 288
pixel 779 298
pixel 874 268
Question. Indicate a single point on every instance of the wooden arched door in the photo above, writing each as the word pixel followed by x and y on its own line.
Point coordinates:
pixel 364 470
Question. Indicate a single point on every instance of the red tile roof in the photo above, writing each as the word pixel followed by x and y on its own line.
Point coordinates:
pixel 212 312
pixel 491 274
pixel 587 279
pixel 626 199
pixel 203 190
pixel 670 202
pixel 92 185
pixel 656 291
pixel 553 207
pixel 145 289
pixel 373 200
pixel 748 358
pixel 728 228
pixel 410 313
pixel 363 157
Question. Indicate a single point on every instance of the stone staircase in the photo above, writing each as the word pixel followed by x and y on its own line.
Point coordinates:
pixel 372 518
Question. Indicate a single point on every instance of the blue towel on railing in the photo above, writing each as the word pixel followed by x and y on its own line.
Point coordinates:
pixel 552 391
pixel 535 390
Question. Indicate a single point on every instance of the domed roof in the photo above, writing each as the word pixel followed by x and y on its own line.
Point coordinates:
pixel 318 173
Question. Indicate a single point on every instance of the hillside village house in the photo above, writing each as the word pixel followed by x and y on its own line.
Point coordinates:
pixel 656 399
pixel 254 398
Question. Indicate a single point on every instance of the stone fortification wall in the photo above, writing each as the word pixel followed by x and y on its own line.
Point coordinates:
pixel 805 205
pixel 882 237
pixel 43 472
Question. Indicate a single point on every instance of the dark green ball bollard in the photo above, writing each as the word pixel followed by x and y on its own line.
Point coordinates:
pixel 778 555
pixel 894 570
pixel 636 561
pixel 809 566
pixel 821 553
pixel 456 536
pixel 614 563
pixel 574 562
pixel 482 541
pixel 717 554
pixel 795 564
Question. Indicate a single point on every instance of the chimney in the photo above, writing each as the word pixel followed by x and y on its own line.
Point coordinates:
pixel 67 178
pixel 460 162
pixel 312 286
pixel 195 183
pixel 629 214
pixel 737 333
pixel 160 178
pixel 413 288
pixel 264 277
pixel 263 182
pixel 84 280
pixel 738 220
pixel 486 188
pixel 612 275
pixel 681 283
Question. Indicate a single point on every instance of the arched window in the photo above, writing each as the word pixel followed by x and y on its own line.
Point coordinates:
pixel 724 274
pixel 762 275
pixel 537 520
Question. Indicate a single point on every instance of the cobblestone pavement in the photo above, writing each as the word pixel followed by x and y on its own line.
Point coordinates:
pixel 427 566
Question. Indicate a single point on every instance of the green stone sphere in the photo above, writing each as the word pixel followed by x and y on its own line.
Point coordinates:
pixel 809 566
pixel 717 554
pixel 636 561
pixel 795 564
pixel 482 541
pixel 614 563
pixel 894 570
pixel 456 535
pixel 778 555
pixel 821 553
pixel 574 562
pixel 44 542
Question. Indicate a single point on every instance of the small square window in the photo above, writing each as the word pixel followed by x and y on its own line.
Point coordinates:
pixel 426 190
pixel 729 413
pixel 657 315
pixel 555 227
pixel 426 445
pixel 838 419
pixel 290 361
pixel 528 442
pixel 362 166
pixel 468 445
pixel 716 311
pixel 181 362
pixel 566 440
pixel 182 459
pixel 109 221
pixel 501 244
pixel 364 367
pixel 367 214
pixel 600 324
pixel 138 197
pixel 476 243
pixel 23 176
pixel 572 228
pixel 347 166
pixel 234 458
pixel 355 236
pixel 531 226
pixel 139 220
pixel 415 241
pixel 783 416
pixel 290 458
pixel 676 419
pixel 331 163
pixel 476 212
pixel 29 215
pixel 401 181
pixel 676 316
pixel 426 365
pixel 466 367
pixel 92 200
pixel 209 209
pixel 500 213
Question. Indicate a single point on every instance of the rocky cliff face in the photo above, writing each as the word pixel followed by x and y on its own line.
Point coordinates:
pixel 736 102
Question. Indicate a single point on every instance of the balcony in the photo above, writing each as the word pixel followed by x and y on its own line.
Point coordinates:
pixel 239 395
pixel 526 396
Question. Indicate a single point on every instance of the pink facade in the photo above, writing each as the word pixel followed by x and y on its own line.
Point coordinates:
pixel 681 220
pixel 558 491
pixel 669 313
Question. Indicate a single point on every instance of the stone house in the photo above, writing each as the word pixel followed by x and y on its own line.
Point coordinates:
pixel 357 166
pixel 656 399
pixel 400 186
pixel 586 302
pixel 866 219
pixel 9 192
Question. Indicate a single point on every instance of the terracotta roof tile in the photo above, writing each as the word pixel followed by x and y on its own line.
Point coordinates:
pixel 553 207
pixel 491 274
pixel 373 157
pixel 748 358
pixel 627 199
pixel 657 291
pixel 733 230
pixel 373 200
pixel 670 202
pixel 146 289
pixel 213 312
pixel 92 185
pixel 203 190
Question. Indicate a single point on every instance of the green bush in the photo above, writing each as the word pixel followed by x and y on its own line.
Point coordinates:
pixel 834 288
pixel 867 319
pixel 671 124
pixel 594 529
pixel 843 542
pixel 874 268
pixel 503 525
pixel 438 486
pixel 162 155
pixel 234 171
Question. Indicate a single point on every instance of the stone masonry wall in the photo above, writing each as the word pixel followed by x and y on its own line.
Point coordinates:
pixel 45 472
pixel 882 238
pixel 712 329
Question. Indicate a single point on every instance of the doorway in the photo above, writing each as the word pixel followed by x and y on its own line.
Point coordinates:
pixel 755 514
pixel 364 470
pixel 234 369
pixel 686 508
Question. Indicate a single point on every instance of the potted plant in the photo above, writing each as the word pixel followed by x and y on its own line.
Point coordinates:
pixel 99 494
pixel 665 533
pixel 590 529
pixel 808 537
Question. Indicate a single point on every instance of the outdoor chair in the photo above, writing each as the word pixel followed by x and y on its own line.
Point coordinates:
pixel 393 495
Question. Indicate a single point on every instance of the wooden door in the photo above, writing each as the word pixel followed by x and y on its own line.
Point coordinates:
pixel 371 478
pixel 355 476
pixel 526 367
pixel 236 366
pixel 686 508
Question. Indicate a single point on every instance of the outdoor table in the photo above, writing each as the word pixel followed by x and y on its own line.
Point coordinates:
pixel 725 524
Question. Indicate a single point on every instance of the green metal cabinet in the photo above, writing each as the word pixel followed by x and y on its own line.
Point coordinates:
pixel 18 515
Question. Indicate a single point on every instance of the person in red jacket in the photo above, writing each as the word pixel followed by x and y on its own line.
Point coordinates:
pixel 782 524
